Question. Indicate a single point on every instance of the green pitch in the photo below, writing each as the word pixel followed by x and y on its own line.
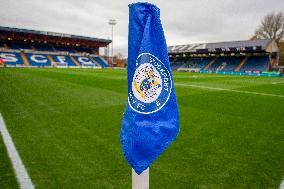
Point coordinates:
pixel 65 124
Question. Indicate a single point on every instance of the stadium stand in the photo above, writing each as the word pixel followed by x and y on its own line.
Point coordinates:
pixel 19 46
pixel 30 48
pixel 85 61
pixel 192 64
pixel 217 65
pixel 39 47
pixel 228 64
pixel 231 63
pixel 252 57
pixel 258 63
pixel 62 60
pixel 64 49
pixel 199 63
pixel 83 50
pixel 38 60
pixel 101 61
pixel 12 58
pixel 176 63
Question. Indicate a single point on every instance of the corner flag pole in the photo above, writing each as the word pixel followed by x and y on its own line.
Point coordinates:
pixel 151 119
pixel 140 181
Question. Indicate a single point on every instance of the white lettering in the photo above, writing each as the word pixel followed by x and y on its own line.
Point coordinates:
pixel 131 99
pixel 166 84
pixel 85 60
pixel 141 106
pixel 38 58
pixel 7 57
pixel 157 65
pixel 158 103
pixel 61 59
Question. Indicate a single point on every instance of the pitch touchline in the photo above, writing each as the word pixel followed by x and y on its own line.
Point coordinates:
pixel 22 175
pixel 232 90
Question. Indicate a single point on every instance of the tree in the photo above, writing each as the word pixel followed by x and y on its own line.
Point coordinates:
pixel 271 27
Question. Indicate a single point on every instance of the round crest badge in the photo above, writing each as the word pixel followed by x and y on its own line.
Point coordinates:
pixel 151 85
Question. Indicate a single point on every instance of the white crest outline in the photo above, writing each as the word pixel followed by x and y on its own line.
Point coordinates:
pixel 170 78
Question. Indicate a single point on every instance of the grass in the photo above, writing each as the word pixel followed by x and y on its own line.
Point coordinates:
pixel 66 123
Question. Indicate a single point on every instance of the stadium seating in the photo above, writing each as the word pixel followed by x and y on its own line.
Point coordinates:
pixel 193 63
pixel 19 46
pixel 256 63
pixel 64 49
pixel 41 55
pixel 39 47
pixel 227 64
pixel 85 61
pixel 223 64
pixel 38 60
pixel 217 65
pixel 198 63
pixel 34 48
pixel 83 50
pixel 63 60
pixel 12 58
pixel 100 61
pixel 176 64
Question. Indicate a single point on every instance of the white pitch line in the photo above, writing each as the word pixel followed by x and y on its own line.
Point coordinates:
pixel 281 185
pixel 232 90
pixel 22 175
pixel 280 82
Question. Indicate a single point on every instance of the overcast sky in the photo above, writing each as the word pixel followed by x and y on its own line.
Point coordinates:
pixel 184 21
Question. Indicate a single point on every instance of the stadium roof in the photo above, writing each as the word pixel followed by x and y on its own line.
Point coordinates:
pixel 252 45
pixel 8 33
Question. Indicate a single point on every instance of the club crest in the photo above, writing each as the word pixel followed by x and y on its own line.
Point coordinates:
pixel 150 86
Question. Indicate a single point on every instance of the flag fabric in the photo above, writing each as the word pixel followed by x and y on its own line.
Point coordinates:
pixel 151 119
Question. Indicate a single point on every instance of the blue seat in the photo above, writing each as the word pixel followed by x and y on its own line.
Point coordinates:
pixel 64 49
pixel 194 63
pixel 256 63
pixel 199 63
pixel 10 58
pixel 63 60
pixel 39 60
pixel 19 46
pixel 100 61
pixel 227 64
pixel 84 61
pixel 43 48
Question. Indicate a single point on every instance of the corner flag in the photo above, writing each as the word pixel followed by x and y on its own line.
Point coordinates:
pixel 151 120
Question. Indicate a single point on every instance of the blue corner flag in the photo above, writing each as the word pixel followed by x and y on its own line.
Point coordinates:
pixel 151 120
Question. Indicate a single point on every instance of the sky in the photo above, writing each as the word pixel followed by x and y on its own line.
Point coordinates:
pixel 184 21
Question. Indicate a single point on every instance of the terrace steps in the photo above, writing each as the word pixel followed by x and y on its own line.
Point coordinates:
pixel 210 63
pixel 241 64
pixel 95 61
pixel 23 56
pixel 53 63
pixel 222 67
pixel 73 59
